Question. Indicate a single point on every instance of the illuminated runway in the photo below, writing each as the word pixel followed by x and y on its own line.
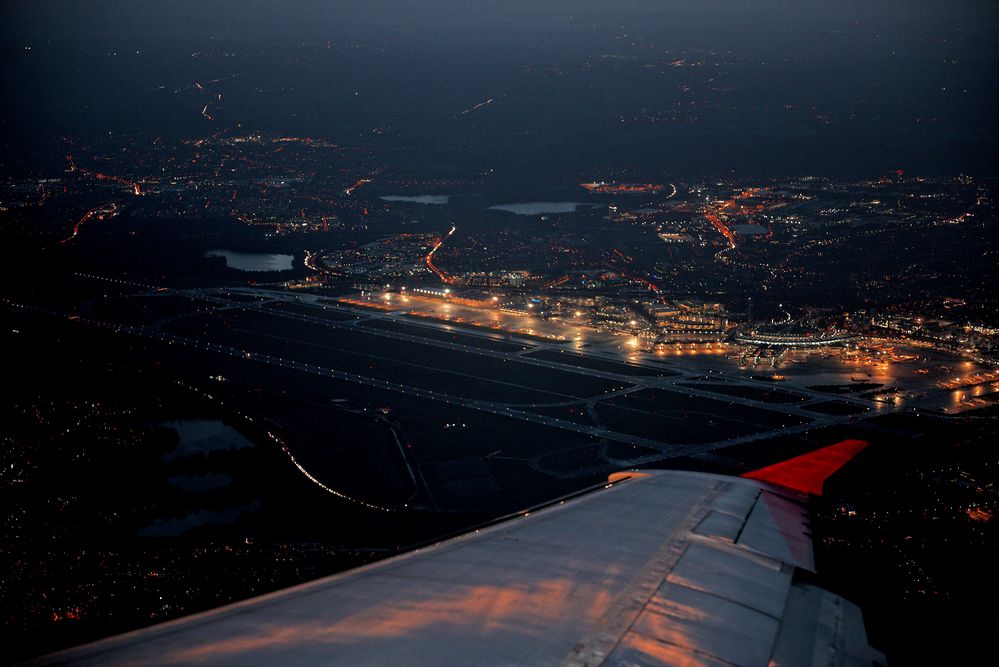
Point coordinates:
pixel 680 373
pixel 521 411
pixel 674 377
pixel 633 391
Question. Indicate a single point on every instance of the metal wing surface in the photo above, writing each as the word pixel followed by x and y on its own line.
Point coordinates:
pixel 659 567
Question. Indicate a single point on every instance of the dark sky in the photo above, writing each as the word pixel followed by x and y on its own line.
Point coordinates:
pixel 911 21
pixel 868 83
pixel 102 19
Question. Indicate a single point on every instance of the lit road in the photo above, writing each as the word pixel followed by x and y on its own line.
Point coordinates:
pixel 430 257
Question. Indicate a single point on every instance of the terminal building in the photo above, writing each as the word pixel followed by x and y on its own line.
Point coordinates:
pixel 788 334
pixel 689 321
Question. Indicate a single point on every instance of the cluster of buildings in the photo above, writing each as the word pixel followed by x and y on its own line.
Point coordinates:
pixel 689 320
pixel 961 337
pixel 398 257
pixel 792 334
pixel 682 321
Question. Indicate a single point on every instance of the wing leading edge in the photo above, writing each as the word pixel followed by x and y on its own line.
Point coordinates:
pixel 665 568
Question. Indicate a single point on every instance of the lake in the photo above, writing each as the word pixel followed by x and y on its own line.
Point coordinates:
pixel 201 436
pixel 437 200
pixel 200 483
pixel 174 527
pixel 539 207
pixel 242 261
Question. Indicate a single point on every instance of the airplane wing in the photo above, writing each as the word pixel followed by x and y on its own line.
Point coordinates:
pixel 658 567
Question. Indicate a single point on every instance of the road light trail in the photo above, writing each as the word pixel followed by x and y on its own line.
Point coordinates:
pixel 477 106
pixel 430 258
pixel 722 229
pixel 134 186
pixel 89 215
pixel 76 228
pixel 360 182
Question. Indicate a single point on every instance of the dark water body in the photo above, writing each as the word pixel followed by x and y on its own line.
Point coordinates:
pixel 201 436
pixel 437 200
pixel 539 207
pixel 254 261
pixel 200 483
pixel 174 527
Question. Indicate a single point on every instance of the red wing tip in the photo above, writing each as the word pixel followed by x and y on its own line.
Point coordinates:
pixel 808 472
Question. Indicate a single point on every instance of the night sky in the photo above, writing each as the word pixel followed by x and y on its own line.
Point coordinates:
pixel 776 88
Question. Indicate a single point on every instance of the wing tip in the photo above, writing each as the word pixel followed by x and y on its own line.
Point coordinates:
pixel 807 473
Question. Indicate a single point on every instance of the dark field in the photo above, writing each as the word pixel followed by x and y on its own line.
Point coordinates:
pixel 673 417
pixel 447 336
pixel 486 329
pixel 575 462
pixel 623 451
pixel 326 313
pixel 437 430
pixel 144 310
pixel 458 373
pixel 581 361
pixel 763 394
pixel 575 413
pixel 836 408
pixel 239 296
pixel 846 388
